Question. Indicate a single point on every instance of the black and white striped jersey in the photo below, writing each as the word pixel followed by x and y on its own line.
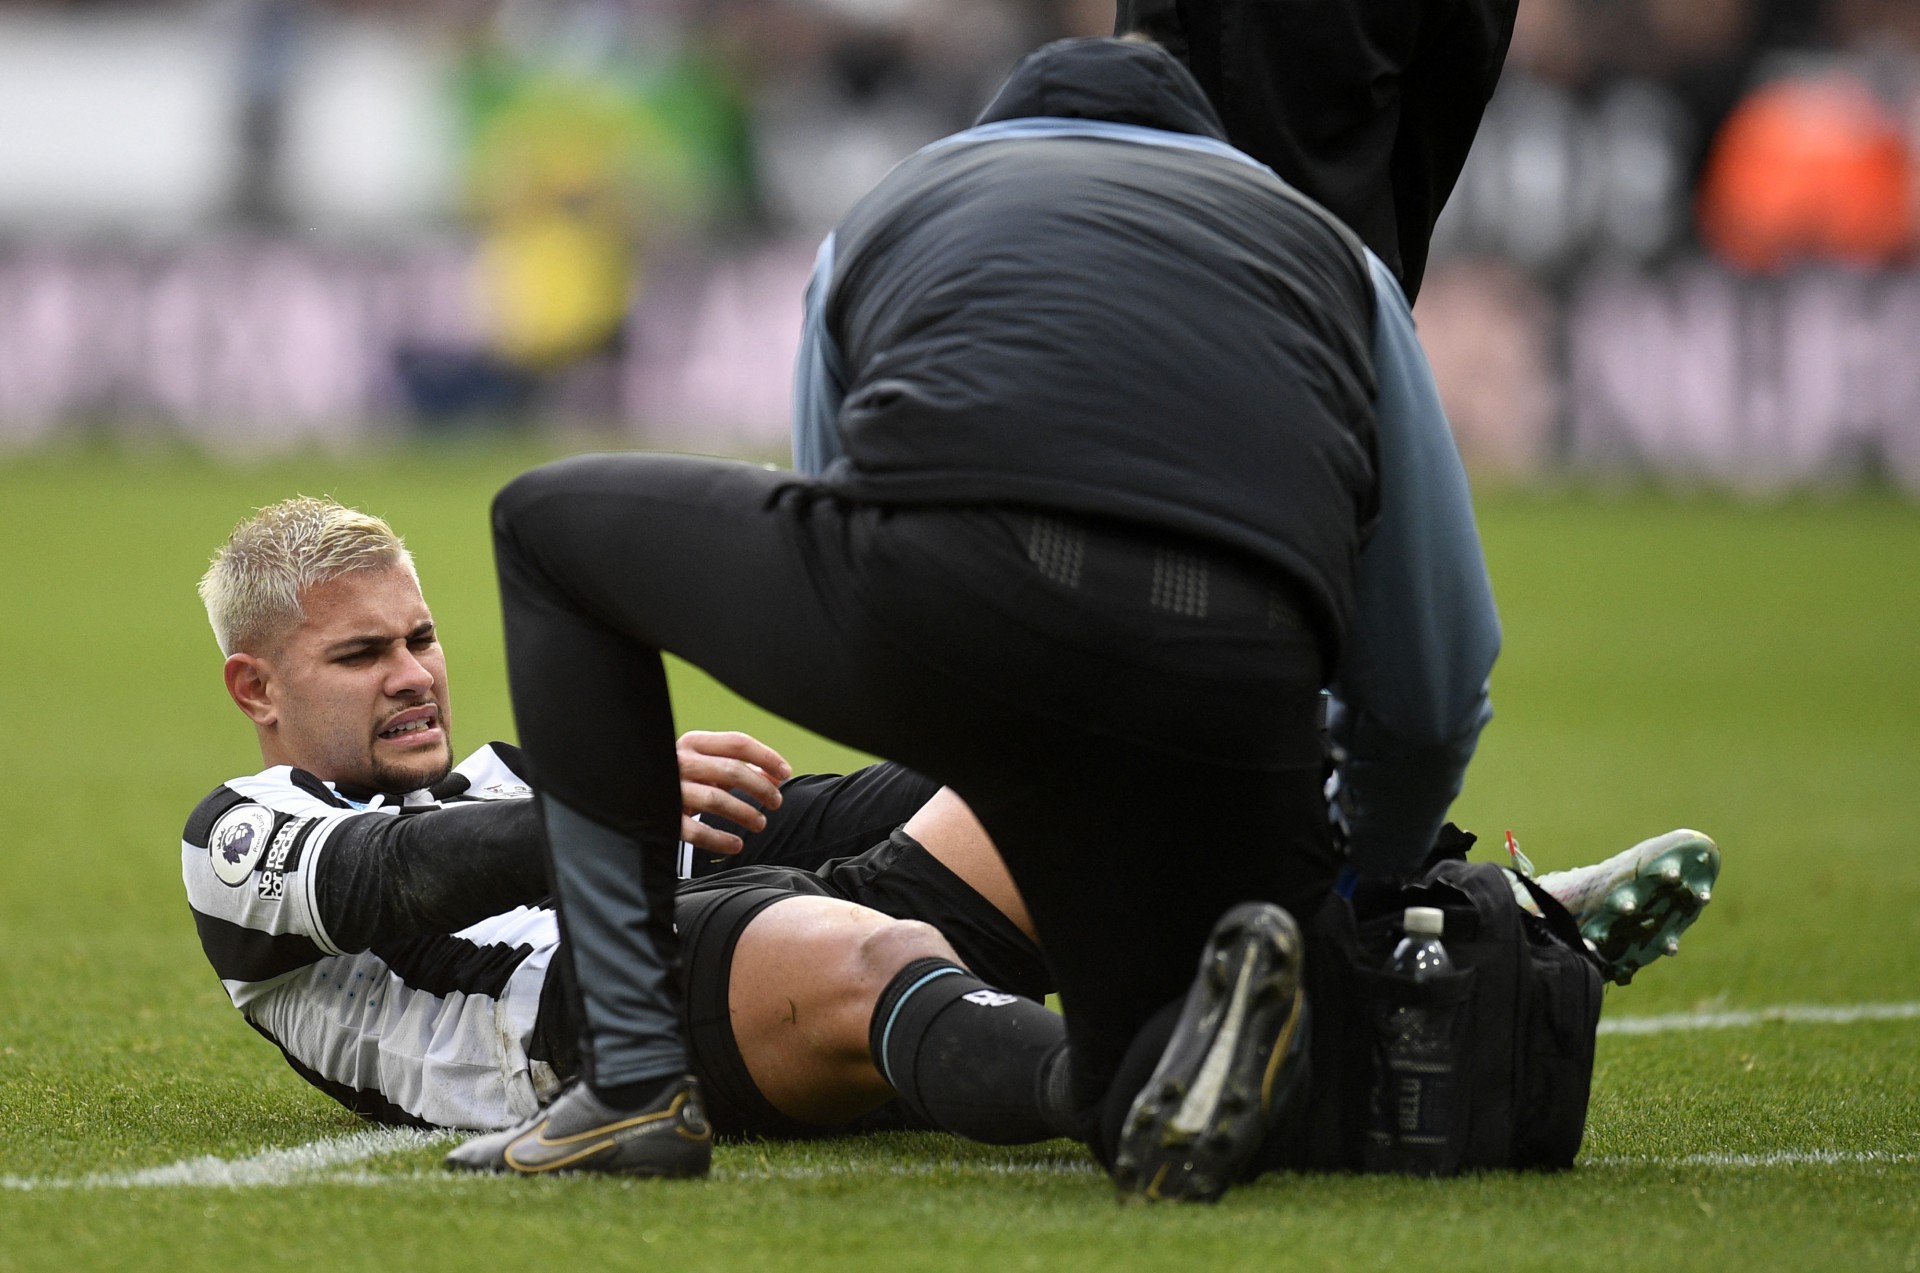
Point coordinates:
pixel 430 1029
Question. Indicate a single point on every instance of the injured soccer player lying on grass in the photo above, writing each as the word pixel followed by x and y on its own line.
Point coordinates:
pixel 378 913
pixel 855 957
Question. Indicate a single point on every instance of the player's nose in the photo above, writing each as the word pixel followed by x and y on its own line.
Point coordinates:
pixel 408 675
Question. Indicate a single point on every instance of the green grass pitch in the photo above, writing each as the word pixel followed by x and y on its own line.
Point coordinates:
pixel 1671 660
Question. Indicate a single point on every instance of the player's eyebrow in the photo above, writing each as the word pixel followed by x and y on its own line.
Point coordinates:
pixel 354 645
pixel 373 641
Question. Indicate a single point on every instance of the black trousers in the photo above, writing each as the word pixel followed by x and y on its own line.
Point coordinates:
pixel 1369 108
pixel 1134 719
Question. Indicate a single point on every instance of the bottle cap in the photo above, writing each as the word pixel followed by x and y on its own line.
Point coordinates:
pixel 1427 921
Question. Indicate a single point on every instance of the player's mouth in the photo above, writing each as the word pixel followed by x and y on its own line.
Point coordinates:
pixel 415 727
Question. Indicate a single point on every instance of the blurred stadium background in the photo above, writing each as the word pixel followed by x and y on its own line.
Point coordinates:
pixel 1683 247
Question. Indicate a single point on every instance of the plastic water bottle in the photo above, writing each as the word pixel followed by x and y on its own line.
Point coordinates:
pixel 1420 954
pixel 1413 1098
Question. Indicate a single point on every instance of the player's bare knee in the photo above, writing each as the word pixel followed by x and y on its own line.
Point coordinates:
pixel 891 946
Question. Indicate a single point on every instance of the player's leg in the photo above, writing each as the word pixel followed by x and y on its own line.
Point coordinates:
pixel 806 1011
pixel 952 836
pixel 944 869
pixel 780 984
pixel 805 978
pixel 894 841
pixel 836 1009
pixel 965 1042
pixel 945 1003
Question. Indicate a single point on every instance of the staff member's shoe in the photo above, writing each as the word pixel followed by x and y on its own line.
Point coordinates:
pixel 670 1137
pixel 1226 1074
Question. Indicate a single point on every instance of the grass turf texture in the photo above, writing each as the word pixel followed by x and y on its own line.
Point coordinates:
pixel 1751 671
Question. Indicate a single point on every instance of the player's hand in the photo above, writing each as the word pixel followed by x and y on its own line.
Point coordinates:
pixel 712 768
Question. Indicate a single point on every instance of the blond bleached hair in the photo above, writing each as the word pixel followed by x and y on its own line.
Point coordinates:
pixel 252 590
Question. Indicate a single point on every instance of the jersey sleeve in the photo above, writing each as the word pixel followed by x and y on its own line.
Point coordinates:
pixel 248 858
pixel 429 871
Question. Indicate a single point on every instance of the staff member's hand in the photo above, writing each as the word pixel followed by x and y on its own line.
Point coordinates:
pixel 719 775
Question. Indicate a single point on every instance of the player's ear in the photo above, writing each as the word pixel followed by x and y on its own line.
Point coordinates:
pixel 249 682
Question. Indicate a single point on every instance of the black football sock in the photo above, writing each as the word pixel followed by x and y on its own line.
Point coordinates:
pixel 969 1059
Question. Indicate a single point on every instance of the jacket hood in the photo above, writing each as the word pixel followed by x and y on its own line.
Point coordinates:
pixel 1122 81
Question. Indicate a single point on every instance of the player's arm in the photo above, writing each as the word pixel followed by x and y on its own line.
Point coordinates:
pixel 385 878
pixel 280 872
pixel 1411 697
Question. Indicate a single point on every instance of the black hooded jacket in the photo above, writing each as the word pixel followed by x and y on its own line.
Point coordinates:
pixel 1153 333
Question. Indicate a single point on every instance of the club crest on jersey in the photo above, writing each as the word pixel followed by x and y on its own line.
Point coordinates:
pixel 239 838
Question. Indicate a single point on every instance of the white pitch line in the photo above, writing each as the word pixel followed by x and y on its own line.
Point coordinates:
pixel 270 1167
pixel 1793 1014
pixel 1776 1158
pixel 336 1162
pixel 831 1171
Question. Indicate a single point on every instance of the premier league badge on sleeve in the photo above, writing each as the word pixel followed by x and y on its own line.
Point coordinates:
pixel 238 840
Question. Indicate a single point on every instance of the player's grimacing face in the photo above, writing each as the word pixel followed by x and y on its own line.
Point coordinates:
pixel 360 686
